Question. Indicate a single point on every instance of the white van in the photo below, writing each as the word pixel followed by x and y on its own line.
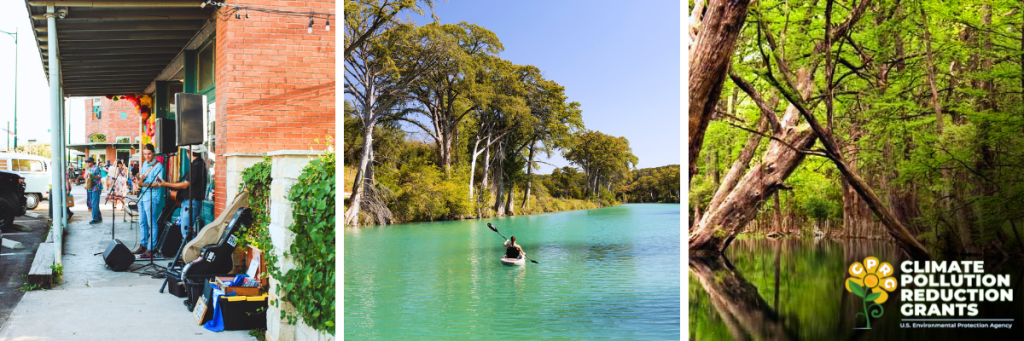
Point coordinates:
pixel 35 169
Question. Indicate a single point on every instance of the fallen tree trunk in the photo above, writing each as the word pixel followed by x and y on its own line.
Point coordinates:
pixel 904 239
pixel 720 226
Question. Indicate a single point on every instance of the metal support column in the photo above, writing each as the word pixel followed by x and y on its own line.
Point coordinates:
pixel 57 181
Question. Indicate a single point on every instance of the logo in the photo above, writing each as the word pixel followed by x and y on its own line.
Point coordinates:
pixel 872 282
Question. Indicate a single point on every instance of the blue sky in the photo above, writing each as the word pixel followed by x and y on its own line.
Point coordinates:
pixel 33 89
pixel 620 60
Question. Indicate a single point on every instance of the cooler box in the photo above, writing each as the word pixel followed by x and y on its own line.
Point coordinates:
pixel 244 312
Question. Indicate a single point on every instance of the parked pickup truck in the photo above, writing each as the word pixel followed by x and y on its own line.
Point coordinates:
pixel 12 198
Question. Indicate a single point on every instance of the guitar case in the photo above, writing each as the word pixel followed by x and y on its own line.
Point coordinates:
pixel 216 258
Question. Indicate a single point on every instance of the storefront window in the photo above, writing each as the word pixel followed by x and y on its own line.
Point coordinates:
pixel 207 63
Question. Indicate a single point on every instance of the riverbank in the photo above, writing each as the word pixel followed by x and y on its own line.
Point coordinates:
pixel 540 202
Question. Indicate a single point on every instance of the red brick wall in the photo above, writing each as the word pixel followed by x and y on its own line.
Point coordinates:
pixel 110 122
pixel 275 82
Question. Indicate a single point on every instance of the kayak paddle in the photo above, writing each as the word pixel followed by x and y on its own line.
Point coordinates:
pixel 506 239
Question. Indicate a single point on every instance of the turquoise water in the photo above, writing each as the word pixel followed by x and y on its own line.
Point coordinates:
pixel 609 273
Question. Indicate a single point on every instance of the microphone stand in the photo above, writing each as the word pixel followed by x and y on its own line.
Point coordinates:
pixel 113 203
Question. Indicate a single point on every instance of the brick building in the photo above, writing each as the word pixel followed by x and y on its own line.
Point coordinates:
pixel 112 130
pixel 265 69
pixel 275 86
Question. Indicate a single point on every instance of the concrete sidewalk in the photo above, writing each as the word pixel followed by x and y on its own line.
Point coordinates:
pixel 94 303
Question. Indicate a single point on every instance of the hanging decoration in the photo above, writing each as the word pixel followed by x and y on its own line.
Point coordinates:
pixel 144 108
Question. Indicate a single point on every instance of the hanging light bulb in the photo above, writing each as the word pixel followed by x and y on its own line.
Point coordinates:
pixel 328 25
pixel 310 29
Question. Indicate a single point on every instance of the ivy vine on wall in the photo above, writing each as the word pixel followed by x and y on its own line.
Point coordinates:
pixel 310 285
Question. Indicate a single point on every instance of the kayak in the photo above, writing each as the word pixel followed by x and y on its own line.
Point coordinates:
pixel 513 261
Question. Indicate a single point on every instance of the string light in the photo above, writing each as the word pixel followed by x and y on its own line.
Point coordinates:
pixel 234 9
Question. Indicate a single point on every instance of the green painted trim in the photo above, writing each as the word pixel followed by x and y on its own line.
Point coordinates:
pixel 210 93
pixel 162 100
pixel 191 66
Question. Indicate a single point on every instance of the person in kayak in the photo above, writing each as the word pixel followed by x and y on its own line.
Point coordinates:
pixel 512 250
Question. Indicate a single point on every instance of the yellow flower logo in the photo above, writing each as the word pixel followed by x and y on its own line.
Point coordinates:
pixel 874 275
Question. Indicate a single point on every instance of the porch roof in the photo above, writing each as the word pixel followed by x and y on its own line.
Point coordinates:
pixel 118 46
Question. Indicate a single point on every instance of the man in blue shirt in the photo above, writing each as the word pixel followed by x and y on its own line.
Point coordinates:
pixel 152 172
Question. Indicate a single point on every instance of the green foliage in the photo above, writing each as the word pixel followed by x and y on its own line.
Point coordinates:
pixel 256 180
pixel 605 159
pixel 29 287
pixel 659 184
pixel 259 334
pixel 58 273
pixel 947 166
pixel 424 193
pixel 309 286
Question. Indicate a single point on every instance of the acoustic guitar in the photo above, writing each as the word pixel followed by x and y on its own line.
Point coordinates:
pixel 175 198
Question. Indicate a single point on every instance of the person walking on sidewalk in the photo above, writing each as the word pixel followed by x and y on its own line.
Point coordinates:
pixel 93 187
pixel 192 191
pixel 152 173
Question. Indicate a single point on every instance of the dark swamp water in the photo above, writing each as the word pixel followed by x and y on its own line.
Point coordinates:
pixel 793 289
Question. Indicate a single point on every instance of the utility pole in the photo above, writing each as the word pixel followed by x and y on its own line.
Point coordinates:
pixel 15 36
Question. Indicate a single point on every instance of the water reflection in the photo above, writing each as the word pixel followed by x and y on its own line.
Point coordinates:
pixel 792 289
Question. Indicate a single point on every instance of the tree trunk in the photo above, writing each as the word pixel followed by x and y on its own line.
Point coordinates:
pixel 472 167
pixel 509 205
pixel 485 185
pixel 710 56
pixel 777 221
pixel 696 216
pixel 529 175
pixel 930 66
pixel 739 166
pixel 858 221
pixel 352 215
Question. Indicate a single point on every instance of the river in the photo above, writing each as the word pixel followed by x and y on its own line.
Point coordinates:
pixel 608 273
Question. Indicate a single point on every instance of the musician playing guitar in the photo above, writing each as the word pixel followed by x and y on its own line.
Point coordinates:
pixel 192 191
pixel 152 173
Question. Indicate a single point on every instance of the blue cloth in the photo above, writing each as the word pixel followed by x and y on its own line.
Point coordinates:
pixel 147 224
pixel 151 194
pixel 216 324
pixel 94 202
pixel 185 218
